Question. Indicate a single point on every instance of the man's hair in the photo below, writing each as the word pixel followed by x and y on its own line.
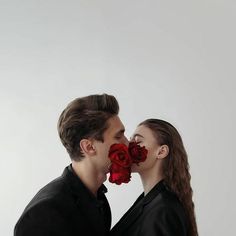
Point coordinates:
pixel 83 118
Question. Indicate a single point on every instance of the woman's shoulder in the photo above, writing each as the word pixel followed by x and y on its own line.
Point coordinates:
pixel 166 200
pixel 166 205
pixel 164 213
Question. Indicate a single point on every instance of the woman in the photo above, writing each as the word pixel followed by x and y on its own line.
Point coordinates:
pixel 165 208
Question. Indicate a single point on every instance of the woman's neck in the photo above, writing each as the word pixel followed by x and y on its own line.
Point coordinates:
pixel 149 179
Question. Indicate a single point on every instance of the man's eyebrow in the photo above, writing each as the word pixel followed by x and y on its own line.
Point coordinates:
pixel 121 131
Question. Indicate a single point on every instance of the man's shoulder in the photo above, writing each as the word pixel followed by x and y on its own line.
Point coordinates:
pixel 52 190
pixel 46 211
pixel 55 191
pixel 57 204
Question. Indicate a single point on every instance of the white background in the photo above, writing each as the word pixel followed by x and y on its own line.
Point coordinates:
pixel 167 59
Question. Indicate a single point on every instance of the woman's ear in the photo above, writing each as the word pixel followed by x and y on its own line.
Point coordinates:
pixel 87 147
pixel 162 152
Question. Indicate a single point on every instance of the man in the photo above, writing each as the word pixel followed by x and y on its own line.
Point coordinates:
pixel 75 204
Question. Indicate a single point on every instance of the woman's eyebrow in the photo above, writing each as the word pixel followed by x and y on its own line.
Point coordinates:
pixel 138 135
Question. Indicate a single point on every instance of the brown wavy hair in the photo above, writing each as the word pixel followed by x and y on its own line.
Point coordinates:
pixel 175 167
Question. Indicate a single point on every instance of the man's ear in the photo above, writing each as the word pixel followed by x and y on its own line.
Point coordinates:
pixel 87 147
pixel 162 152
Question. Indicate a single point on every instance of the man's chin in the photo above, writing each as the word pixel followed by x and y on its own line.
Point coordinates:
pixel 107 170
pixel 134 168
pixel 104 178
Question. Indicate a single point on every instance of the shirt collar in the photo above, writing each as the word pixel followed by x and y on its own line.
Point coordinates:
pixel 77 183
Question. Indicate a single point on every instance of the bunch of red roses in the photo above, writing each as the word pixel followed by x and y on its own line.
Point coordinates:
pixel 122 158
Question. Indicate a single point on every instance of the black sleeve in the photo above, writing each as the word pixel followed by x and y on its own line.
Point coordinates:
pixel 164 222
pixel 44 219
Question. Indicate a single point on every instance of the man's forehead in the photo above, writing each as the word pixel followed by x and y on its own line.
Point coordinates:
pixel 116 124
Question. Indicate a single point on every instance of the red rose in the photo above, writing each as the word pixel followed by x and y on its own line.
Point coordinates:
pixel 119 154
pixel 137 153
pixel 122 158
pixel 120 171
pixel 119 174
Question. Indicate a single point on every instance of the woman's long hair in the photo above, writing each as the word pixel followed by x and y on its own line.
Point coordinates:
pixel 176 167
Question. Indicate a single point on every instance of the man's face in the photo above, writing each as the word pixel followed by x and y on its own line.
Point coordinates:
pixel 114 134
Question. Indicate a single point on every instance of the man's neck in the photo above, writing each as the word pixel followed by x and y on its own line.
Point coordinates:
pixel 90 177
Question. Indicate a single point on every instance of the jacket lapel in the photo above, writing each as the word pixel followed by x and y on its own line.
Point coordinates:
pixel 136 210
pixel 129 217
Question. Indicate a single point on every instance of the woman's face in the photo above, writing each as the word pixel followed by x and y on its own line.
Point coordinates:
pixel 144 137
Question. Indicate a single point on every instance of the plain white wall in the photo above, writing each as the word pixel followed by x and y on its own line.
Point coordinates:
pixel 169 59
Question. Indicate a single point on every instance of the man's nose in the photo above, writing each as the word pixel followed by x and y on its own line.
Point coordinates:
pixel 125 141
